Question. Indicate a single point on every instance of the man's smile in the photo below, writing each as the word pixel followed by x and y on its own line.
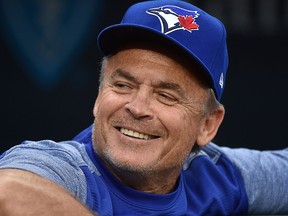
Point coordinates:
pixel 136 134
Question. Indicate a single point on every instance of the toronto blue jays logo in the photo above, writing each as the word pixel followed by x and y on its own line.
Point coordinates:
pixel 174 18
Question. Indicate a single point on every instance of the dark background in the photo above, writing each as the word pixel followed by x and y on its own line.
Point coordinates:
pixel 49 68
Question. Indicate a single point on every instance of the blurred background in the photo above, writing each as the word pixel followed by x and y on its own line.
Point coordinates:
pixel 49 68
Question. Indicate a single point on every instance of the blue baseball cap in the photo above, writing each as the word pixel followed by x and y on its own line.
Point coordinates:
pixel 199 36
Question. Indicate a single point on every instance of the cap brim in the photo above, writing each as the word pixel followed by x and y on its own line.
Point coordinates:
pixel 117 36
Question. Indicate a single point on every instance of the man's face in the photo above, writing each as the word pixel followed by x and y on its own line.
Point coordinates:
pixel 148 114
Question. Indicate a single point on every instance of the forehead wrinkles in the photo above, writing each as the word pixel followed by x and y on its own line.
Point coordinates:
pixel 136 59
pixel 162 83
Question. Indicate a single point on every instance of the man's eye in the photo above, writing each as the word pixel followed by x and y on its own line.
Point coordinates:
pixel 122 87
pixel 167 99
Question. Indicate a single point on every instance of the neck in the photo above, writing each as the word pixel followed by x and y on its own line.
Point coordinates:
pixel 149 182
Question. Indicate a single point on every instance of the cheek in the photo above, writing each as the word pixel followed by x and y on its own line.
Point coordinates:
pixel 105 106
pixel 107 103
pixel 181 137
pixel 177 121
pixel 183 128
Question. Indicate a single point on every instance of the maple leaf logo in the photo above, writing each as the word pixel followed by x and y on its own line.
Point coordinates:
pixel 173 18
pixel 188 22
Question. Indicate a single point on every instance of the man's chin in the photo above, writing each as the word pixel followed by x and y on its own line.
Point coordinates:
pixel 134 165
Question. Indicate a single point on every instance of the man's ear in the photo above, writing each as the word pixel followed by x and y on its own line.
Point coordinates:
pixel 210 126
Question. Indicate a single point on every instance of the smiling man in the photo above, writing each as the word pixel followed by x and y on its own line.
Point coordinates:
pixel 149 150
pixel 150 112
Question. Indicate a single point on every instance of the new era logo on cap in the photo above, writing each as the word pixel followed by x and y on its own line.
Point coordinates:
pixel 174 18
pixel 191 31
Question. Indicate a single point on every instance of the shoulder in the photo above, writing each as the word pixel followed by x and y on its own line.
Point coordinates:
pixel 47 149
pixel 265 177
pixel 61 162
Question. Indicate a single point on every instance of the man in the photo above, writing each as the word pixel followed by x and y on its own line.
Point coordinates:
pixel 149 151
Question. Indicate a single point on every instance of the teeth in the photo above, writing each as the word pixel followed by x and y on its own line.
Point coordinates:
pixel 134 134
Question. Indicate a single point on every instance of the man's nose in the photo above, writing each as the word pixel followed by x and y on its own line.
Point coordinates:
pixel 139 105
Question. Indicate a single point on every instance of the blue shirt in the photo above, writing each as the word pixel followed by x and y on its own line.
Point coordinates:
pixel 210 183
